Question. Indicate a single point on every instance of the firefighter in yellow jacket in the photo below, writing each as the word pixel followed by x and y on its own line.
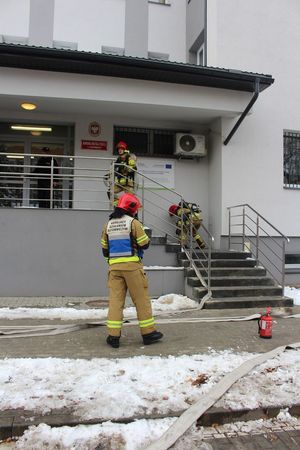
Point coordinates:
pixel 185 213
pixel 125 167
pixel 123 241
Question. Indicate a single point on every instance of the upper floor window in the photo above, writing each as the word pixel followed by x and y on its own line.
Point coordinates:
pixel 200 56
pixel 291 159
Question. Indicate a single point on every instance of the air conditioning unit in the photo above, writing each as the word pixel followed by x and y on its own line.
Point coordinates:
pixel 191 145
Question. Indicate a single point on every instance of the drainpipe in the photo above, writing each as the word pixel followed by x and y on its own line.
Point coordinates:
pixel 205 33
pixel 242 117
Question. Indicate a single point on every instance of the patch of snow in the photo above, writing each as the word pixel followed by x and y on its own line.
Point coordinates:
pixel 110 389
pixel 165 303
pixel 139 434
pixel 293 293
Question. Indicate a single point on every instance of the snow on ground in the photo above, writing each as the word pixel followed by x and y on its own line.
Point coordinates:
pixel 165 303
pixel 110 389
pixel 138 435
pixel 293 293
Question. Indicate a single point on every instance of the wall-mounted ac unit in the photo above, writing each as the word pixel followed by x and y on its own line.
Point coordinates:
pixel 191 145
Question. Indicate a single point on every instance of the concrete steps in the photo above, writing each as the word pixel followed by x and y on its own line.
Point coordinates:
pixel 229 272
pixel 236 282
pixel 249 302
pixel 238 291
pixel 220 262
pixel 233 281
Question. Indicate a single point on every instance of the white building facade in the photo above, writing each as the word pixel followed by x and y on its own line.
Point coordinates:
pixel 148 68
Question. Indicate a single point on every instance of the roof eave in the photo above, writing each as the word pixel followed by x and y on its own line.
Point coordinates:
pixel 70 61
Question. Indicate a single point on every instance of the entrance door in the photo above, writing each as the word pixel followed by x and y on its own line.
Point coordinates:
pixel 59 192
pixel 19 152
pixel 12 176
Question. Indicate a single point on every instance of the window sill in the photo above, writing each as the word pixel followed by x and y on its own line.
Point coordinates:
pixel 158 3
pixel 291 186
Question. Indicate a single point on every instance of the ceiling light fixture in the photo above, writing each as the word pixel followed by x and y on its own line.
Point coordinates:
pixel 28 106
pixel 30 128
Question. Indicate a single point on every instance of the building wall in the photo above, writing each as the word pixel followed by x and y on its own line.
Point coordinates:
pixel 58 253
pixel 167 29
pixel 215 181
pixel 257 36
pixel 14 17
pixel 93 24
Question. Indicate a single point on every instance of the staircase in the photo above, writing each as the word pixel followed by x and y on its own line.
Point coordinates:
pixel 236 281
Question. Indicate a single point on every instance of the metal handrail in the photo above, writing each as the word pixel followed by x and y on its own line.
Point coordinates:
pixel 262 217
pixel 257 239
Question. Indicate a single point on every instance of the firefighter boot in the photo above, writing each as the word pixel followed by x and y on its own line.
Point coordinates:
pixel 113 341
pixel 150 338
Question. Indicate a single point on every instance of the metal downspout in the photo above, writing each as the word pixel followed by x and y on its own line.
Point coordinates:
pixel 205 33
pixel 242 117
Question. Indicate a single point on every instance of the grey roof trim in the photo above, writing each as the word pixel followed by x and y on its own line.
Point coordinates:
pixel 72 61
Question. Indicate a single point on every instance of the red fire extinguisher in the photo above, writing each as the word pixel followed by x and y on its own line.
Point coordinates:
pixel 265 324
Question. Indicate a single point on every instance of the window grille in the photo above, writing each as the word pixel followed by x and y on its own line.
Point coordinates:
pixel 291 164
pixel 147 141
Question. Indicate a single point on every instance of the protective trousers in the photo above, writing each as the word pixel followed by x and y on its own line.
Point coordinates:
pixel 183 232
pixel 128 187
pixel 137 284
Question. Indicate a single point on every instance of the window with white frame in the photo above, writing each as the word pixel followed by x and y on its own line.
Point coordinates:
pixel 291 159
pixel 200 56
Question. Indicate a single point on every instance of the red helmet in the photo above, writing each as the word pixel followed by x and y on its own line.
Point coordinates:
pixel 129 202
pixel 122 144
pixel 173 210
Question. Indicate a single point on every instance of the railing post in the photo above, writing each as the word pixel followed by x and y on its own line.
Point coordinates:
pixel 209 264
pixel 283 266
pixel 181 222
pixel 143 200
pixel 112 185
pixel 257 239
pixel 51 183
pixel 229 229
pixel 244 227
pixel 191 239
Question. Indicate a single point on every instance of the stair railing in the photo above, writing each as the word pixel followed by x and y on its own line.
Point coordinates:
pixel 155 196
pixel 248 229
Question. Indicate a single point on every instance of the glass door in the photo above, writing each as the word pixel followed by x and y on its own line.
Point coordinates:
pixel 12 173
pixel 50 187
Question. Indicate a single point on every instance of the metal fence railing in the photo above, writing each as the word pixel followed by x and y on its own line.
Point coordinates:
pixel 53 181
pixel 249 231
pixel 79 182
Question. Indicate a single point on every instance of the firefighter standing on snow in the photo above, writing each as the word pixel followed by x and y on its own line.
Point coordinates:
pixel 124 171
pixel 123 240
pixel 185 213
